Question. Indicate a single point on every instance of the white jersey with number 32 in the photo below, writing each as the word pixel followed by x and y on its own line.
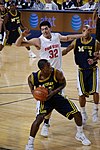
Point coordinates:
pixel 51 50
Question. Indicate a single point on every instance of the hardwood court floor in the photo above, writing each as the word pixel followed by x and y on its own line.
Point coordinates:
pixel 17 107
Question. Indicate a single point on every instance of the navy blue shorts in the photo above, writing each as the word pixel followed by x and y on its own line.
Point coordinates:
pixel 62 105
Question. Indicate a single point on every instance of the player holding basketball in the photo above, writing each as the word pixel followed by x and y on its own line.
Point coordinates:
pixel 54 81
pixel 50 48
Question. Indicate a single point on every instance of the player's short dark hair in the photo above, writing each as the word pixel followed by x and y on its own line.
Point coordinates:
pixel 45 23
pixel 41 63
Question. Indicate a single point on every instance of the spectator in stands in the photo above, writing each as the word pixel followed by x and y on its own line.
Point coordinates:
pixel 90 5
pixel 38 5
pixel 27 4
pixel 68 4
pixel 78 3
pixel 19 3
pixel 59 4
pixel 50 5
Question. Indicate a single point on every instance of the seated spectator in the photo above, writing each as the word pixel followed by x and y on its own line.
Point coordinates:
pixel 59 4
pixel 88 6
pixel 78 3
pixel 50 5
pixel 68 4
pixel 27 4
pixel 19 3
pixel 38 5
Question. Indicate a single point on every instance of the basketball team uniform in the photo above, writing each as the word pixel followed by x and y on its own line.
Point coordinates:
pixel 51 50
pixel 13 26
pixel 3 14
pixel 64 106
pixel 87 74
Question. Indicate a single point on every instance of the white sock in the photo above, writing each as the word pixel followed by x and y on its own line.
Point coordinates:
pixel 95 107
pixel 30 140
pixel 0 36
pixel 82 109
pixel 79 129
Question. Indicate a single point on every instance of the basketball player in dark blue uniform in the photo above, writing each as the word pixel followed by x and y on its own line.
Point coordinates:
pixel 84 50
pixel 54 81
pixel 13 23
pixel 3 13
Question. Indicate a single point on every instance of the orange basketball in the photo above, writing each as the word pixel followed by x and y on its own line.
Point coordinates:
pixel 40 93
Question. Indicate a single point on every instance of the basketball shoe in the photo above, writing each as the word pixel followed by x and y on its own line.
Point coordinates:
pixel 80 136
pixel 95 115
pixel 84 117
pixel 45 130
pixel 29 147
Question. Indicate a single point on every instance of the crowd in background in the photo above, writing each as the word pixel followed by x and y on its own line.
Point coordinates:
pixel 53 4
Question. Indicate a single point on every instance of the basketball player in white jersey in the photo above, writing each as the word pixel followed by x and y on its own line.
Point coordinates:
pixel 49 45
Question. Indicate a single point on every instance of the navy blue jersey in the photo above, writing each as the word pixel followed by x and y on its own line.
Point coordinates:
pixel 50 82
pixel 84 51
pixel 14 21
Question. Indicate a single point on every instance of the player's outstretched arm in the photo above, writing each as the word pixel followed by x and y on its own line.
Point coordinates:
pixel 68 49
pixel 73 36
pixel 22 42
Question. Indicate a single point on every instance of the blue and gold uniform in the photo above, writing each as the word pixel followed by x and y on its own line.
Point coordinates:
pixel 64 106
pixel 87 74
pixel 13 25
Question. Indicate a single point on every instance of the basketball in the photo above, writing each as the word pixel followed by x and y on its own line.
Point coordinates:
pixel 40 93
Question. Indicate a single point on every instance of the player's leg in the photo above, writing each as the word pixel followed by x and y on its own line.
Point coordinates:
pixel 82 101
pixel 46 125
pixel 47 108
pixel 96 94
pixel 1 23
pixel 33 131
pixel 68 109
pixel 82 98
pixel 31 54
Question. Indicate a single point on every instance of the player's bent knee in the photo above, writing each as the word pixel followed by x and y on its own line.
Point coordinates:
pixel 40 118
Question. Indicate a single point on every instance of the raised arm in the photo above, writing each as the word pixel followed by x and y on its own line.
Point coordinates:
pixel 68 49
pixel 22 42
pixel 74 36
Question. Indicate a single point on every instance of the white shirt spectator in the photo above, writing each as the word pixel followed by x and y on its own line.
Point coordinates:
pixel 88 6
pixel 50 5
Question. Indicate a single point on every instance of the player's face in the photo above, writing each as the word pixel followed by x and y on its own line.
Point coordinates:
pixel 46 31
pixel 47 69
pixel 88 32
pixel 12 7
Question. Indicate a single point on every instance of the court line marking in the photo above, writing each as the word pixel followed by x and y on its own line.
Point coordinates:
pixel 26 99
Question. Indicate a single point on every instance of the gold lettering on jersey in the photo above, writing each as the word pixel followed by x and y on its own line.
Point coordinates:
pixel 90 53
pixel 51 47
pixel 49 85
pixel 14 19
pixel 82 48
